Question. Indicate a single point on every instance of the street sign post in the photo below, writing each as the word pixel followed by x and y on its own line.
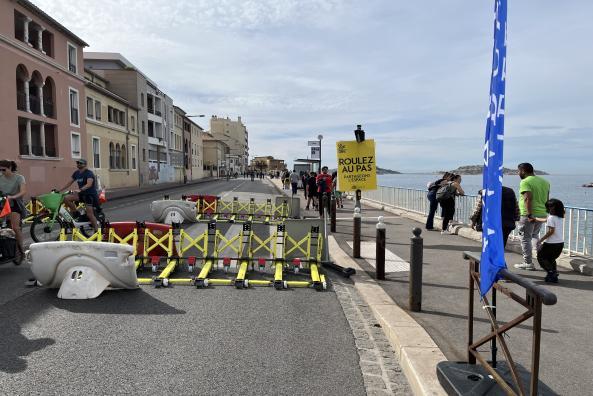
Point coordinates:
pixel 356 165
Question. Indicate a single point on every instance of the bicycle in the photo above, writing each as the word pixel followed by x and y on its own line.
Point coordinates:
pixel 49 223
pixel 9 250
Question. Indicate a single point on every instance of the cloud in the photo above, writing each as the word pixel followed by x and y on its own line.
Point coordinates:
pixel 415 75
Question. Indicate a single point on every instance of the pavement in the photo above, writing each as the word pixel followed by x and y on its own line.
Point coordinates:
pixel 180 340
pixel 439 331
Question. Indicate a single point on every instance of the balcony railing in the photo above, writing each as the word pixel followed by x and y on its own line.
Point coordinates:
pixel 577 228
pixel 158 113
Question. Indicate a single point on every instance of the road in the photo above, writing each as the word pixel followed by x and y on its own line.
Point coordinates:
pixel 180 340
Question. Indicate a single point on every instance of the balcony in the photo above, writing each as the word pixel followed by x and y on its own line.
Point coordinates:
pixel 48 107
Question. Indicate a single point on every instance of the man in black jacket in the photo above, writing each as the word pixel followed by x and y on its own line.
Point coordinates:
pixel 509 210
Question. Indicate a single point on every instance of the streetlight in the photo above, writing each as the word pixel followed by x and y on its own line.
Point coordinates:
pixel 320 138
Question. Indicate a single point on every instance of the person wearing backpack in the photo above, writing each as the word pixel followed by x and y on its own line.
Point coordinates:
pixel 432 199
pixel 446 198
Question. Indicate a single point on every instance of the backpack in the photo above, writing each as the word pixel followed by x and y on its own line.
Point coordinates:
pixel 446 192
pixel 434 186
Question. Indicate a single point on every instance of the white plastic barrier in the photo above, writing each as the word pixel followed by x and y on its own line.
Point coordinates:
pixel 170 211
pixel 83 270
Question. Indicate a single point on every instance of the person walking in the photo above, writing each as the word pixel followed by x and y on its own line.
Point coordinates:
pixel 550 245
pixel 535 192
pixel 433 204
pixel 311 188
pixel 294 182
pixel 446 197
pixel 509 211
pixel 337 193
pixel 324 187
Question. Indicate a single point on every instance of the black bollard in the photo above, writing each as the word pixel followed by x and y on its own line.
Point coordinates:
pixel 415 284
pixel 380 250
pixel 356 236
pixel 357 198
pixel 333 214
pixel 166 196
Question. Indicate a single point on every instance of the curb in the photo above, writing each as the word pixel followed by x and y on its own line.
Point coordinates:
pixel 416 351
pixel 584 265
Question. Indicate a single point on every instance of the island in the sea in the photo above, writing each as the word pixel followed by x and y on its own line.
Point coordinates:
pixel 477 170
pixel 383 171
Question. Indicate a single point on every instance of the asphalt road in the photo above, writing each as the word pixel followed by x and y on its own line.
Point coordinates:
pixel 177 340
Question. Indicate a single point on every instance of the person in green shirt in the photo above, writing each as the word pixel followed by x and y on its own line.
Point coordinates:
pixel 535 192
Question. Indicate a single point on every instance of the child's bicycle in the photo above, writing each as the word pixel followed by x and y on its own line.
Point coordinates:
pixel 49 223
pixel 9 250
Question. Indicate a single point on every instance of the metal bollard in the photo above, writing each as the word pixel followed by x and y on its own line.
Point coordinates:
pixel 166 196
pixel 333 213
pixel 416 259
pixel 356 237
pixel 357 198
pixel 380 250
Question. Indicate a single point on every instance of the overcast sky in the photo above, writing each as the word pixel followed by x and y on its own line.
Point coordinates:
pixel 415 74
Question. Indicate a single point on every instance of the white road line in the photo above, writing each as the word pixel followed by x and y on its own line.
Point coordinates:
pixel 368 217
pixel 228 192
pixel 393 263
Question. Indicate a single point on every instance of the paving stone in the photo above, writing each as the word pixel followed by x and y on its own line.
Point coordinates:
pixel 369 355
pixel 361 334
pixel 364 344
pixel 394 376
pixel 373 381
pixel 371 368
pixel 378 392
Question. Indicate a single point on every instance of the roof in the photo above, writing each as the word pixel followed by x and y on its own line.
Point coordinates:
pixel 119 59
pixel 307 161
pixel 39 12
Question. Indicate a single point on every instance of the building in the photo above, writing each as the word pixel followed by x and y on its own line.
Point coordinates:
pixel 236 136
pixel 42 128
pixel 177 143
pixel 112 129
pixel 155 113
pixel 197 151
pixel 267 164
pixel 216 154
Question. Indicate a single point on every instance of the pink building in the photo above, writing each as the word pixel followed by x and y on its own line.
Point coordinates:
pixel 42 121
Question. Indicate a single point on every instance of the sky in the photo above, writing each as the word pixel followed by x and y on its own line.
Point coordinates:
pixel 415 74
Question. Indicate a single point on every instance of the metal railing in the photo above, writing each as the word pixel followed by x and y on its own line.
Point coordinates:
pixel 577 229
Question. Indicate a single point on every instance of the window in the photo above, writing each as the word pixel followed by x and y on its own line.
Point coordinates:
pixel 96 153
pixel 74 119
pixel 133 156
pixel 133 123
pixel 109 113
pixel 111 156
pixel 75 144
pixel 72 58
pixel 97 110
pixel 124 159
pixel 89 107
pixel 117 156
pixel 142 99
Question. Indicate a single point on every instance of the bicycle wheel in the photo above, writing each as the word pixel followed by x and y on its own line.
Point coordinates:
pixel 44 230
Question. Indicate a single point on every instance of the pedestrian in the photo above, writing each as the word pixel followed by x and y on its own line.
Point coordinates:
pixel 550 245
pixel 294 182
pixel 311 188
pixel 432 199
pixel 286 180
pixel 446 198
pixel 14 188
pixel 335 191
pixel 304 180
pixel 324 187
pixel 535 192
pixel 509 211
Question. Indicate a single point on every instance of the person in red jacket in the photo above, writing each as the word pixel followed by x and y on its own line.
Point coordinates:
pixel 324 186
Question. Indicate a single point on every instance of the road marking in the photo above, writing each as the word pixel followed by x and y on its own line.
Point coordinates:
pixel 368 217
pixel 228 192
pixel 393 263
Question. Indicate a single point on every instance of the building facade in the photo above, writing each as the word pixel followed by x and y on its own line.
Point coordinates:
pixel 236 136
pixel 267 164
pixel 42 85
pixel 197 151
pixel 176 146
pixel 112 129
pixel 216 153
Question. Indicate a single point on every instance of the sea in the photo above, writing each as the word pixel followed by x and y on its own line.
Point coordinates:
pixel 567 188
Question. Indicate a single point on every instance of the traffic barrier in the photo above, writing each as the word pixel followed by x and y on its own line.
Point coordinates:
pixel 82 270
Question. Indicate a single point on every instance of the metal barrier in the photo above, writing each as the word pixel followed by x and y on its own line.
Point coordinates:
pixel 535 297
pixel 577 229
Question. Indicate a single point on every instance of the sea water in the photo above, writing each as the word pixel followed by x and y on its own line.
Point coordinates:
pixel 567 188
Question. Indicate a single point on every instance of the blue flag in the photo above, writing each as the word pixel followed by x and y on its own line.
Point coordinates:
pixel 492 245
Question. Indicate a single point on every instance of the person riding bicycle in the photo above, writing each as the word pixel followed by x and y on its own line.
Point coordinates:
pixel 87 192
pixel 13 186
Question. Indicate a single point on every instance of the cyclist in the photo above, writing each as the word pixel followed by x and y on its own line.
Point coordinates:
pixel 13 186
pixel 86 193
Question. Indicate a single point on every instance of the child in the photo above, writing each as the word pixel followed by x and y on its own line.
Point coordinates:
pixel 550 250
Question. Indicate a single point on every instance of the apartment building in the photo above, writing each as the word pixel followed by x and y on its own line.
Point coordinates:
pixel 268 164
pixel 177 143
pixel 236 136
pixel 155 113
pixel 196 158
pixel 42 85
pixel 216 153
pixel 112 129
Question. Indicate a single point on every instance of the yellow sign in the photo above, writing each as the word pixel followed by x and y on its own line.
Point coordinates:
pixel 356 165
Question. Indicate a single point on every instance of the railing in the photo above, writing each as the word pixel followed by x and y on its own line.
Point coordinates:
pixel 577 229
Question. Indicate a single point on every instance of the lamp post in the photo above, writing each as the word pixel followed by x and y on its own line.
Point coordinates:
pixel 320 138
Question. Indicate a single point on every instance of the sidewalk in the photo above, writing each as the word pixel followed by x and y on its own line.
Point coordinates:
pixel 566 327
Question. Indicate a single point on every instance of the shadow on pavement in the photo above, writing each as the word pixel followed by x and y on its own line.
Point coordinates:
pixel 137 302
pixel 566 283
pixel 459 248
